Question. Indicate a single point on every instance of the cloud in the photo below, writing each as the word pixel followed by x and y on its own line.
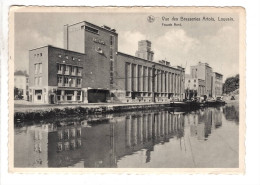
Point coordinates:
pixel 28 39
pixel 128 41
pixel 221 50
pixel 175 46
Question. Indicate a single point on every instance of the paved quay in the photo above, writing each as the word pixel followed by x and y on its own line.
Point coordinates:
pixel 25 106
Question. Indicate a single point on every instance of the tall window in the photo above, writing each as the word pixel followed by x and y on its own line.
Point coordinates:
pixel 59 67
pixel 72 82
pixel 40 68
pixel 79 71
pixel 111 39
pixel 111 53
pixel 40 80
pixel 66 80
pixel 67 69
pixel 111 66
pixel 74 70
pixel 36 81
pixel 78 81
pixel 35 68
pixel 59 79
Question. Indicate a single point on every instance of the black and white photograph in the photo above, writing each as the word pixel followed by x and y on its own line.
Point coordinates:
pixel 127 89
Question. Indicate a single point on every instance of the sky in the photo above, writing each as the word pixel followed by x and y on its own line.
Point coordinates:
pixel 213 42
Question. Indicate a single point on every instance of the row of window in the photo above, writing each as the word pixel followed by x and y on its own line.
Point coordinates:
pixel 69 70
pixel 69 81
pixel 111 61
pixel 190 81
pixel 38 55
pixel 38 68
pixel 72 58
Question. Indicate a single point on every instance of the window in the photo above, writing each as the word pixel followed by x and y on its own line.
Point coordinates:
pixel 111 39
pixel 35 68
pixel 78 95
pixel 59 55
pixel 90 29
pixel 78 81
pixel 79 59
pixel 111 65
pixel 40 68
pixel 189 81
pixel 59 79
pixel 36 81
pixel 72 80
pixel 79 71
pixel 194 80
pixel 66 80
pixel 40 80
pixel 67 69
pixel 194 85
pixel 73 58
pixel 39 97
pixel 74 69
pixel 66 57
pixel 40 54
pixel 59 68
pixel 111 53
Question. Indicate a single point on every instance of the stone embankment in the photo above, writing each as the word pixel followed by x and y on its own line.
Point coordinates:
pixel 40 113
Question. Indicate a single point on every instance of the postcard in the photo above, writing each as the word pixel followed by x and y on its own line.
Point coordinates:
pixel 134 90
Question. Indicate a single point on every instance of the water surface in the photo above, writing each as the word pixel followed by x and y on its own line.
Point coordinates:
pixel 205 138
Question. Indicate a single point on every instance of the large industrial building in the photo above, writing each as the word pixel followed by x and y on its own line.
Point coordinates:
pixel 90 69
pixel 203 82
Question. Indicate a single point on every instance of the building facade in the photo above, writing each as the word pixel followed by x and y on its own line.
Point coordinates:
pixel 145 81
pixel 194 87
pixel 204 72
pixel 21 85
pixel 217 84
pixel 204 81
pixel 56 75
pixel 90 69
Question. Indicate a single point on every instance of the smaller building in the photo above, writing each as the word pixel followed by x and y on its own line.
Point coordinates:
pixel 194 87
pixel 21 85
pixel 217 84
pixel 204 72
pixel 56 75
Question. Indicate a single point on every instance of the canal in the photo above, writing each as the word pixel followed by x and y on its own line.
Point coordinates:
pixel 205 138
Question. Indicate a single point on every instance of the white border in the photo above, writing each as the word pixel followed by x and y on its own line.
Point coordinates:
pixel 252 118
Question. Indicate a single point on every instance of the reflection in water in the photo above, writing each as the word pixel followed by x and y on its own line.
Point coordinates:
pixel 232 113
pixel 109 140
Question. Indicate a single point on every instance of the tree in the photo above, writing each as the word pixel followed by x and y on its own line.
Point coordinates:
pixel 231 84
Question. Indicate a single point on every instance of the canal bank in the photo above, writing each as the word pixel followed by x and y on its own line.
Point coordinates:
pixel 38 112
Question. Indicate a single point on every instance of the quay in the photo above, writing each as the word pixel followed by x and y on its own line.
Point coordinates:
pixel 24 112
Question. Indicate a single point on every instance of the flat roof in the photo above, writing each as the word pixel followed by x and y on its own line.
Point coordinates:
pixel 86 22
pixel 218 73
pixel 57 48
pixel 150 61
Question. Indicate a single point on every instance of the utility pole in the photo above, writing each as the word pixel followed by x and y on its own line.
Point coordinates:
pixel 153 82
